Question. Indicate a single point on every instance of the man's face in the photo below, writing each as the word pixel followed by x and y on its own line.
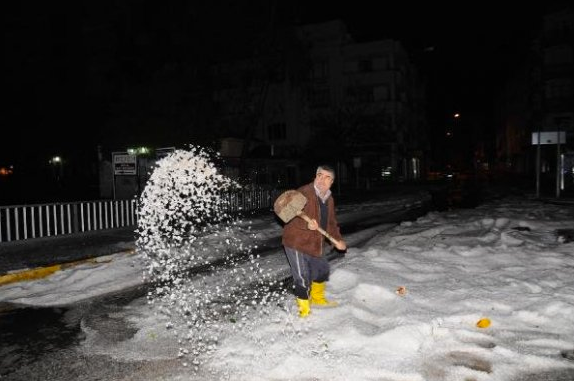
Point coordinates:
pixel 323 180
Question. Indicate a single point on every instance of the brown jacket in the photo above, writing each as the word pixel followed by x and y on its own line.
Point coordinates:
pixel 296 235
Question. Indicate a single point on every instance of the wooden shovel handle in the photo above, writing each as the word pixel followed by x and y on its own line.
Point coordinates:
pixel 319 229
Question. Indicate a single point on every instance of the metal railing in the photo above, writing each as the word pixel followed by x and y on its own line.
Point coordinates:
pixel 21 222
pixel 250 200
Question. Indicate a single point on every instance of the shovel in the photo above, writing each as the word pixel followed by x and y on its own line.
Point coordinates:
pixel 290 204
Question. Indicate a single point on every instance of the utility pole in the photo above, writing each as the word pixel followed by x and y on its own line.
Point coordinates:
pixel 558 164
pixel 538 165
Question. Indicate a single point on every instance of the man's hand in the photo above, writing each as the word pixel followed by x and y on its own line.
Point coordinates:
pixel 312 225
pixel 341 245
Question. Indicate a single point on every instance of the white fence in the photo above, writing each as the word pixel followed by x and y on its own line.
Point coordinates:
pixel 20 222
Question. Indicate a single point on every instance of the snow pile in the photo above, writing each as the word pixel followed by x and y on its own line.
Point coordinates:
pixel 501 262
pixel 457 268
pixel 195 251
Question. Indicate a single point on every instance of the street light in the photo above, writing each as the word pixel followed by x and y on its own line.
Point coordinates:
pixel 139 151
pixel 57 168
pixel 7 171
pixel 56 160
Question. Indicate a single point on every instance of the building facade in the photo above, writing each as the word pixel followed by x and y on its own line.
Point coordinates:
pixel 327 98
pixel 540 99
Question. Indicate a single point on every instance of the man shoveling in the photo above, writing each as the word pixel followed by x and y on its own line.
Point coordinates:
pixel 304 238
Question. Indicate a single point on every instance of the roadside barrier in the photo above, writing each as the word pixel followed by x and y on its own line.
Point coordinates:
pixel 21 222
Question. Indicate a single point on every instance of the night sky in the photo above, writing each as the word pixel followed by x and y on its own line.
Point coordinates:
pixel 55 104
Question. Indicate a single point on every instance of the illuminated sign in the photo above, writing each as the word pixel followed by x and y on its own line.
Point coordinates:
pixel 549 137
pixel 125 164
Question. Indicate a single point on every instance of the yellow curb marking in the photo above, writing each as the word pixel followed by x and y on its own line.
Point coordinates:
pixel 43 272
pixel 29 274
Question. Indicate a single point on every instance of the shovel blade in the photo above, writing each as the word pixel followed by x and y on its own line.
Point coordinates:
pixel 289 204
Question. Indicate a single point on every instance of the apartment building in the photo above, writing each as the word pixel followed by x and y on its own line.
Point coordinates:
pixel 357 105
pixel 539 98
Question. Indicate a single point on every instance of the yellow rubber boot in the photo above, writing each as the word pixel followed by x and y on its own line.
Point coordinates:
pixel 318 295
pixel 304 307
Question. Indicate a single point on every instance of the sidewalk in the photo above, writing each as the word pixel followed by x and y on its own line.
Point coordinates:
pixel 60 250
pixel 557 201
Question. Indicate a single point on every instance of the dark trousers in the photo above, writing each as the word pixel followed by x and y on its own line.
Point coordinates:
pixel 306 269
